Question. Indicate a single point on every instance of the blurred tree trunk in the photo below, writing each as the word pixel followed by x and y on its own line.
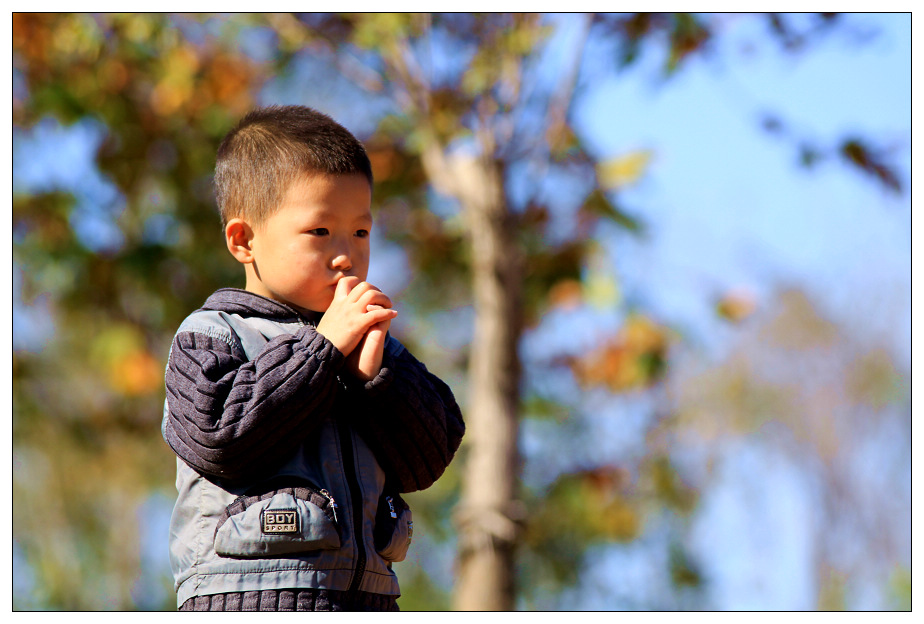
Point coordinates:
pixel 487 514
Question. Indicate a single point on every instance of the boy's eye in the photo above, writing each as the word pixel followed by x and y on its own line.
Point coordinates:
pixel 318 231
pixel 362 233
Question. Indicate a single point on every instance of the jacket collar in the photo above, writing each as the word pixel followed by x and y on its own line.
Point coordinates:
pixel 245 303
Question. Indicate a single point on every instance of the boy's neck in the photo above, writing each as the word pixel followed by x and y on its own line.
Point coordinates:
pixel 255 285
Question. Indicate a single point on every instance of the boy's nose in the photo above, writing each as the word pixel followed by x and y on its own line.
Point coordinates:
pixel 341 262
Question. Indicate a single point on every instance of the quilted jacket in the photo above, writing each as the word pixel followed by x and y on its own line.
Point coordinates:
pixel 289 470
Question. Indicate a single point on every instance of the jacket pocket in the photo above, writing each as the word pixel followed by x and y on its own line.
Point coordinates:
pixel 394 528
pixel 283 521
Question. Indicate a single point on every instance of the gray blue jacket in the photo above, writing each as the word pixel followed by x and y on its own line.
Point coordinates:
pixel 288 469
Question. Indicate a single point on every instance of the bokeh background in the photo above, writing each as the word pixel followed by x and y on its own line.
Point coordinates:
pixel 713 218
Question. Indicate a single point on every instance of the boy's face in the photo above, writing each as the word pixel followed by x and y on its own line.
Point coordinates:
pixel 319 235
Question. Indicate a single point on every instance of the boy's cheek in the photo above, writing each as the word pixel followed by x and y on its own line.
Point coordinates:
pixel 325 305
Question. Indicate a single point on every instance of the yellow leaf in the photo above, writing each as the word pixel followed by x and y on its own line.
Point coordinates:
pixel 736 306
pixel 119 352
pixel 621 171
pixel 137 373
pixel 642 335
pixel 601 290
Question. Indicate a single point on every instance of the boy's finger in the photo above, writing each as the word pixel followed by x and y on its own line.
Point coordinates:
pixel 373 308
pixel 362 289
pixel 375 297
pixel 346 285
pixel 381 314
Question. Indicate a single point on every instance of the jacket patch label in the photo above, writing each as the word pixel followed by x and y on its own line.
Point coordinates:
pixel 276 521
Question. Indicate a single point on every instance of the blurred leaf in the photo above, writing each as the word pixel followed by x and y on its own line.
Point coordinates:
pixel 798 324
pixel 666 485
pixel 634 29
pixel 599 205
pixel 688 35
pixel 566 294
pixel 374 30
pixel 809 155
pixel 622 171
pixel 588 505
pixel 120 352
pixel 832 594
pixel 545 409
pixel 900 589
pixel 684 571
pixel 772 124
pixel 791 38
pixel 736 306
pixel 871 162
pixel 681 33
pixel 548 272
pixel 872 379
pixel 562 140
pixel 781 29
pixel 634 359
pixel 557 278
pixel 601 290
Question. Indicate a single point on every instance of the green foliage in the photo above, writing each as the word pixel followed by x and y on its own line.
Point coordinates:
pixel 384 30
pixel 900 590
pixel 832 594
pixel 684 571
pixel 589 505
pixel 600 205
pixel 682 34
pixel 588 509
pixel 420 593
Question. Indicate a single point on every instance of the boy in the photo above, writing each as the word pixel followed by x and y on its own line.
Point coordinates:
pixel 296 418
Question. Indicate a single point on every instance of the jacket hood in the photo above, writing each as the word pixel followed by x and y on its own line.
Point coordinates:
pixel 246 304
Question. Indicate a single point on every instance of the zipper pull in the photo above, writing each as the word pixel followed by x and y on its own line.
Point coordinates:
pixel 333 503
pixel 391 507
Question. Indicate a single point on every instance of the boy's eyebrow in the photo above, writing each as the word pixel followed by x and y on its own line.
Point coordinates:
pixel 333 212
pixel 366 217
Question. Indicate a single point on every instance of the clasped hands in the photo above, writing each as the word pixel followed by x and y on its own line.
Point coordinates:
pixel 357 322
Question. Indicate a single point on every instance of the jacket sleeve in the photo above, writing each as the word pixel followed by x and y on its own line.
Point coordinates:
pixel 229 417
pixel 410 420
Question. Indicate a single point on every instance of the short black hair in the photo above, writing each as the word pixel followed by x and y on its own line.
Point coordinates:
pixel 261 156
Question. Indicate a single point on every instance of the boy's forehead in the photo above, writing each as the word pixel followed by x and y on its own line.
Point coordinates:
pixel 347 193
pixel 320 178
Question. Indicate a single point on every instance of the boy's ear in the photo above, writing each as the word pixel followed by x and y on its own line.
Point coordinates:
pixel 238 237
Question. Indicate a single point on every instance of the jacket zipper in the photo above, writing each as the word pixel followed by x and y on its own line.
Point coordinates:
pixel 333 503
pixel 346 447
